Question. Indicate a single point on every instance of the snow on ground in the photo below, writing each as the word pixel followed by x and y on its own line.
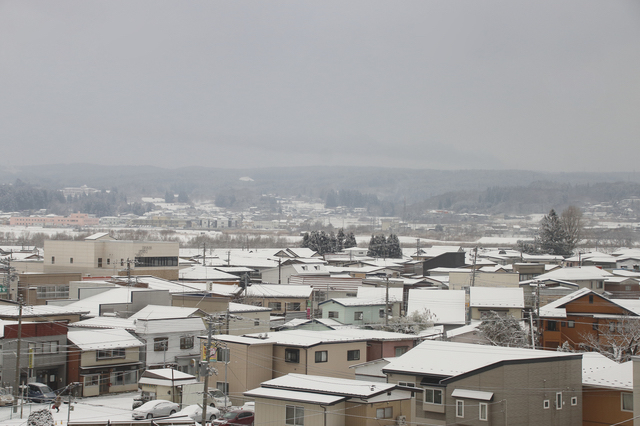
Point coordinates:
pixel 109 407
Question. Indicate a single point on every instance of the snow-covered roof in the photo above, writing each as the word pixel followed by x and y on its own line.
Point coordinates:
pixel 98 236
pixel 241 307
pixel 595 257
pixel 556 308
pixel 493 297
pixel 228 290
pixel 279 290
pixel 447 359
pixel 329 385
pixel 305 338
pixel 380 293
pixel 173 325
pixel 166 377
pixel 91 340
pixel 594 361
pixel 448 306
pixel 115 295
pixel 12 311
pixel 354 301
pixel 294 396
pixel 580 273
pixel 106 322
pixel 199 272
pixel 166 312
pixel 617 376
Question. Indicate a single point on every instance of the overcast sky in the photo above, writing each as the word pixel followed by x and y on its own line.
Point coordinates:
pixel 539 85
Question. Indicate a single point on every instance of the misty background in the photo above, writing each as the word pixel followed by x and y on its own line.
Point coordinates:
pixel 544 86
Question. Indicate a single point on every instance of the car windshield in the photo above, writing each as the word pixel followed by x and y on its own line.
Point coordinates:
pixel 45 389
pixel 230 415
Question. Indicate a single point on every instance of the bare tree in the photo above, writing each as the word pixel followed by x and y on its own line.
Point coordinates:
pixel 571 219
pixel 503 331
pixel 413 323
pixel 618 340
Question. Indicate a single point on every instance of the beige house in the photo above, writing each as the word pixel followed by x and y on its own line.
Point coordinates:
pixel 103 361
pixel 461 279
pixel 102 255
pixel 165 383
pixel 297 399
pixel 502 301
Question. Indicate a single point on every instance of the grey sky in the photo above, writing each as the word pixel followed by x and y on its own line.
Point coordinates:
pixel 540 85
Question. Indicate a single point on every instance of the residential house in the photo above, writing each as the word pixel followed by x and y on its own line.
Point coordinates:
pixel 244 319
pixel 465 278
pixel 590 277
pixel 502 301
pixel 37 289
pixel 43 356
pixel 310 400
pixel 165 383
pixel 292 301
pixel 581 313
pixel 469 384
pixel 104 361
pixel 10 311
pixel 607 395
pixel 357 311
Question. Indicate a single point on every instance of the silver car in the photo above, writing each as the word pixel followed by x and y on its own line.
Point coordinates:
pixel 194 412
pixel 157 408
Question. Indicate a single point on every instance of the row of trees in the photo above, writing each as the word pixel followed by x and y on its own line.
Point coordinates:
pixel 558 235
pixel 381 246
pixel 323 242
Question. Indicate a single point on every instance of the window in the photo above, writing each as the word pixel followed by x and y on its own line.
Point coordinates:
pixel 459 408
pixel 353 355
pixel 276 306
pixel 333 314
pixel 381 313
pixel 110 354
pixel 591 298
pixel 400 350
pixel 574 400
pixel 293 306
pixel 384 413
pixel 186 342
pixel 71 260
pixel 53 260
pixel 292 355
pixel 483 414
pixel 546 404
pixel 612 327
pixel 322 356
pixel 594 326
pixel 433 396
pixel 358 316
pixel 599 284
pixel 120 378
pixel 407 384
pixel 627 401
pixel 147 262
pixel 223 386
pixel 223 355
pixel 160 344
pixel 121 262
pixel 256 322
pixel 552 326
pixel 99 262
pixel 92 380
pixel 571 324
pixel 558 400
pixel 294 415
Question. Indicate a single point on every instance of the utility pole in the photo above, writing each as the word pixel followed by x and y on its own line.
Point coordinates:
pixel 17 381
pixel 473 271
pixel 205 368
pixel 204 254
pixel 279 270
pixel 386 305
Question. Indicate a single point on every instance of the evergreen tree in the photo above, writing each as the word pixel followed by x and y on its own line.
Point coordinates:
pixel 350 241
pixel 552 235
pixel 377 246
pixel 393 248
pixel 169 197
pixel 340 240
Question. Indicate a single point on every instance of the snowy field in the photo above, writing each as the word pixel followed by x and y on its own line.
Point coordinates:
pixel 110 407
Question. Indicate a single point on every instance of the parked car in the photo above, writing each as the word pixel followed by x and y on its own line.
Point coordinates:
pixel 5 397
pixel 235 417
pixel 194 412
pixel 142 398
pixel 39 392
pixel 157 408
pixel 249 406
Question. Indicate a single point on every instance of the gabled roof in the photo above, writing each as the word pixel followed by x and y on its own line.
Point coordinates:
pixel 329 385
pixel 167 312
pixel 308 338
pixel 106 322
pixel 166 377
pixel 617 376
pixel 580 273
pixel 450 359
pixel 241 307
pixel 556 309
pixel 91 340
pixel 100 236
pixel 279 291
pixel 30 311
pixel 172 325
pixel 199 272
pixel 355 301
